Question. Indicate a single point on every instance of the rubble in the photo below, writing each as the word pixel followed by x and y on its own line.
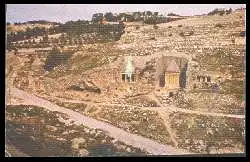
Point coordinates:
pixel 51 128
pixel 77 141
pixel 96 67
pixel 215 132
pixel 65 141
pixel 83 152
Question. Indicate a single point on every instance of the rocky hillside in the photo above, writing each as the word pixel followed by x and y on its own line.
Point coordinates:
pixel 90 79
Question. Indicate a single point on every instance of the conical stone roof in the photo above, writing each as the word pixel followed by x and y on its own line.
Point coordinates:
pixel 128 67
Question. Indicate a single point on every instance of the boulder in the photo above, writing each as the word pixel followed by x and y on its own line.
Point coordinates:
pixel 92 132
pixel 212 150
pixel 51 128
pixel 86 130
pixel 83 152
pixel 103 141
pixel 121 146
pixel 128 149
pixel 114 141
pixel 77 141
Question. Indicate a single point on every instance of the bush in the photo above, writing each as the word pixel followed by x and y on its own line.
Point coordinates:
pixel 169 26
pixel 219 25
pixel 229 11
pixel 191 33
pixel 218 11
pixel 179 26
pixel 243 34
pixel 173 14
pixel 152 38
pixel 182 34
pixel 56 58
pixel 155 27
pixel 221 14
pixel 85 88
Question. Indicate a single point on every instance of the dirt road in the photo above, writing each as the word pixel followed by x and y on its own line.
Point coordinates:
pixel 148 145
pixel 162 108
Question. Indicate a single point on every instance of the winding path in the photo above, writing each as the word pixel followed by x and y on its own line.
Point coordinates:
pixel 176 109
pixel 146 144
pixel 162 108
pixel 163 111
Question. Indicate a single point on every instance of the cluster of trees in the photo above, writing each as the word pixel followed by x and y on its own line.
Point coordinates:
pixel 80 27
pixel 75 28
pixel 220 12
pixel 55 58
pixel 173 14
pixel 146 17
pixel 30 33
pixel 28 44
pixel 156 20
pixel 71 28
pixel 42 22
pixel 74 33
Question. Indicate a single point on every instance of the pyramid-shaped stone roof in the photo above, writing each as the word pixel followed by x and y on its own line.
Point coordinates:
pixel 173 67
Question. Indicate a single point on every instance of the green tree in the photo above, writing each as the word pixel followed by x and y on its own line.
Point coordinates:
pixel 46 38
pixel 109 16
pixel 97 17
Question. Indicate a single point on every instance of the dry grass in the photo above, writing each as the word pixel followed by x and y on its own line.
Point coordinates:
pixel 196 132
pixel 38 140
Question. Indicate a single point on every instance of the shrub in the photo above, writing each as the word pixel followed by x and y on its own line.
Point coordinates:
pixel 182 34
pixel 169 26
pixel 229 11
pixel 56 58
pixel 221 14
pixel 179 26
pixel 85 88
pixel 217 11
pixel 191 33
pixel 243 34
pixel 219 25
pixel 152 38
pixel 155 27
pixel 173 14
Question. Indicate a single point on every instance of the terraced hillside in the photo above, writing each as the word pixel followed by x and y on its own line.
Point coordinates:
pixel 89 81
